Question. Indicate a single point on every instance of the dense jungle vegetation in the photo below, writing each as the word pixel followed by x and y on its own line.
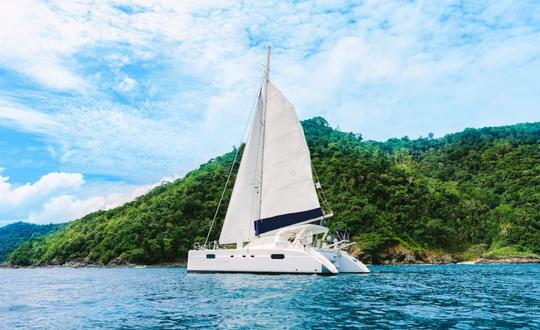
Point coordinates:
pixel 469 193
pixel 13 235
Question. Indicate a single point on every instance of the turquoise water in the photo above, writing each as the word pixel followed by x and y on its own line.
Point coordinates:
pixel 452 296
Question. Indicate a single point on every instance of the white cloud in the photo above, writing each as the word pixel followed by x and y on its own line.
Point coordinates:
pixel 64 208
pixel 24 195
pixel 40 38
pixel 349 46
pixel 61 197
pixel 27 119
pixel 31 44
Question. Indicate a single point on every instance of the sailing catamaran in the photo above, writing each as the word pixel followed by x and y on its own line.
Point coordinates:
pixel 274 204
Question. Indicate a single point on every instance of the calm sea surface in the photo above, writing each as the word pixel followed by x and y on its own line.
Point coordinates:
pixel 453 296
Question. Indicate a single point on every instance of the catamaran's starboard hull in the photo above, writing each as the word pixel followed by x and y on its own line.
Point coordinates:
pixel 344 262
pixel 271 261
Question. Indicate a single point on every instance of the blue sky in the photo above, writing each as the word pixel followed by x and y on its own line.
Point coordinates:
pixel 99 102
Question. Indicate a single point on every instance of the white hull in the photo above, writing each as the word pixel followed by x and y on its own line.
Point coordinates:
pixel 258 261
pixel 274 255
pixel 293 261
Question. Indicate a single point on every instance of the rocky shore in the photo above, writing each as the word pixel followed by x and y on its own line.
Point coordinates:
pixel 393 259
pixel 85 263
pixel 511 260
pixel 399 255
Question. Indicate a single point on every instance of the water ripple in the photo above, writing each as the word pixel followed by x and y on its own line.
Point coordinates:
pixel 392 297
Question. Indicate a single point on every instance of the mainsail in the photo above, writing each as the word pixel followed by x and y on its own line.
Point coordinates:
pixel 274 186
pixel 288 191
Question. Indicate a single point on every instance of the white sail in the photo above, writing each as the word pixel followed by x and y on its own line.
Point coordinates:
pixel 276 154
pixel 288 192
pixel 243 206
pixel 276 157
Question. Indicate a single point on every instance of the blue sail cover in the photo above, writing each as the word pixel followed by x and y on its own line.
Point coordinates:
pixel 276 222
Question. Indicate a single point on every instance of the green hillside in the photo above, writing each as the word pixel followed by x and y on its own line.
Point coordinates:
pixel 469 193
pixel 13 235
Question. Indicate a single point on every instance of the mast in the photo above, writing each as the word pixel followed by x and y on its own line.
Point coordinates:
pixel 267 66
pixel 275 162
pixel 263 125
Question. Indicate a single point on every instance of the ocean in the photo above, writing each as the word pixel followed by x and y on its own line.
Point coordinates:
pixel 390 297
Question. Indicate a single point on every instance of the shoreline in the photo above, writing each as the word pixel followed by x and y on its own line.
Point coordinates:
pixel 82 263
pixel 479 261
pixel 94 266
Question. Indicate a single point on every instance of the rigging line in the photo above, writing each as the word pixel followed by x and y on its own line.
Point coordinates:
pixel 322 189
pixel 232 166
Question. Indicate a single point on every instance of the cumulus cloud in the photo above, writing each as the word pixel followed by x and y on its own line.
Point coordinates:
pixel 61 197
pixel 15 197
pixel 17 201
pixel 64 208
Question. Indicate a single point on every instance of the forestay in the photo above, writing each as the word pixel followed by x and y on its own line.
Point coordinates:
pixel 244 203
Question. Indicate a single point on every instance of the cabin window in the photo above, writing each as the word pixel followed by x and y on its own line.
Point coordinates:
pixel 210 256
pixel 277 256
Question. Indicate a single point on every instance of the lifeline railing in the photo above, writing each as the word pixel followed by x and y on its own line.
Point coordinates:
pixel 214 245
pixel 341 245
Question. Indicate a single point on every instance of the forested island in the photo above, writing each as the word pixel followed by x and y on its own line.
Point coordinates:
pixel 456 198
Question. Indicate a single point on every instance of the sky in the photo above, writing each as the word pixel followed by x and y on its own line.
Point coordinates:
pixel 102 100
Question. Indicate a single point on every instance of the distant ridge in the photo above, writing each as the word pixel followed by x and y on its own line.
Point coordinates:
pixel 465 195
pixel 13 235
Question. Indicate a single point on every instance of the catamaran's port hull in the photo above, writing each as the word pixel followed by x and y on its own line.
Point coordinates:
pixel 276 261
pixel 272 261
